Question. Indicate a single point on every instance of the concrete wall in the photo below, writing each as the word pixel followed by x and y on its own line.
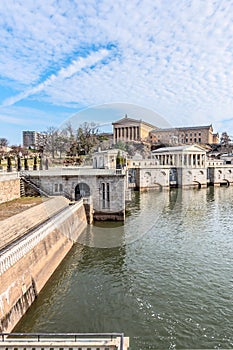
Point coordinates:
pixel 27 266
pixel 220 175
pixel 9 187
pixel 191 177
pixel 149 178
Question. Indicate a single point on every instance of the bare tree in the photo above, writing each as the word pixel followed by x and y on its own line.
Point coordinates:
pixel 3 142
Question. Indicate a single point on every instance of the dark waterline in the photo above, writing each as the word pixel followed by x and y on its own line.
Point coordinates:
pixel 165 278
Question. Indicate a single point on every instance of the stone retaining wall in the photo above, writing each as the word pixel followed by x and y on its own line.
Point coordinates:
pixel 9 188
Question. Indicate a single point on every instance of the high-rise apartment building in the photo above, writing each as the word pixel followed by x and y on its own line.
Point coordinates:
pixel 33 139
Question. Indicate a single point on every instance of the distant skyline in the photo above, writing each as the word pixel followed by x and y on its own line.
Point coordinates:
pixel 99 60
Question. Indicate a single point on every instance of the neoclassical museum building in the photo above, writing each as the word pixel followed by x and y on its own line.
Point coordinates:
pixel 129 130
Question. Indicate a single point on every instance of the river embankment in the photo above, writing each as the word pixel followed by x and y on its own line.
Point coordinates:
pixel 33 244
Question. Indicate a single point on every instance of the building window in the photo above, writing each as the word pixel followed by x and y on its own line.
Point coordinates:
pixel 190 134
pixel 108 194
pixel 58 188
pixel 105 195
pixel 199 140
pixel 195 140
pixel 191 140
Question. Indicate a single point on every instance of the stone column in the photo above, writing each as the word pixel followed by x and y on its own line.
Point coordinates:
pixel 173 159
pixel 192 161
pixel 35 163
pixel 19 165
pixel 26 167
pixel 9 165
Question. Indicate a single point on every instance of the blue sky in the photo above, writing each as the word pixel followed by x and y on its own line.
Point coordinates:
pixel 98 60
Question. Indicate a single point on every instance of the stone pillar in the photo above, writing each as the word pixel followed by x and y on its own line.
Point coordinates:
pixel 26 167
pixel 35 163
pixel 9 165
pixel 19 165
pixel 191 160
pixel 173 159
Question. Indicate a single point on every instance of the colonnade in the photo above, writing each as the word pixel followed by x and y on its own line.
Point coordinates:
pixel 129 133
pixel 192 160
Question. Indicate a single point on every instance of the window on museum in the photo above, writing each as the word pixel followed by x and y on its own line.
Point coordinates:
pixel 199 140
pixel 60 187
pixel 55 187
pixel 195 140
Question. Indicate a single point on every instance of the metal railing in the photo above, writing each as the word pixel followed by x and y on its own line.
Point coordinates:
pixel 69 340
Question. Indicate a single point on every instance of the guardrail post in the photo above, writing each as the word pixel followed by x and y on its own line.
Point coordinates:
pixel 122 342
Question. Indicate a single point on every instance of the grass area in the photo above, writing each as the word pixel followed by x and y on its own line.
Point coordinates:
pixel 18 205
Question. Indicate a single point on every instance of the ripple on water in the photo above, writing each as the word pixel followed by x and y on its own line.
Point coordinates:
pixel 168 283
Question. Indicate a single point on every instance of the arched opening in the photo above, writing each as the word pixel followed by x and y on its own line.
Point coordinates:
pixel 225 182
pixel 82 190
pixel 197 184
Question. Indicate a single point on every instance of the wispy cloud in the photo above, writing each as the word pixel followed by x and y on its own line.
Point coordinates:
pixel 75 67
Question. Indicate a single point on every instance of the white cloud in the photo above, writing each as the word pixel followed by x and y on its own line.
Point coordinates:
pixel 173 57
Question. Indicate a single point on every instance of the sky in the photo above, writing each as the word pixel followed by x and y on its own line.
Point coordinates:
pixel 169 63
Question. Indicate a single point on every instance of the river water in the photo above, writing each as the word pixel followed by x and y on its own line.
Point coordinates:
pixel 164 278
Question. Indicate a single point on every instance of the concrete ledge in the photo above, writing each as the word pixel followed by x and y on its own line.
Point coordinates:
pixel 114 216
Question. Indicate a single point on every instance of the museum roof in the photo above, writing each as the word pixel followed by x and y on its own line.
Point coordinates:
pixel 131 120
pixel 183 128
